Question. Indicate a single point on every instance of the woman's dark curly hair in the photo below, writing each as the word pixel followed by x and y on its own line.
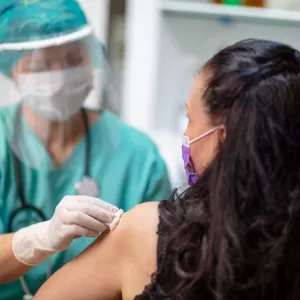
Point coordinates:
pixel 235 234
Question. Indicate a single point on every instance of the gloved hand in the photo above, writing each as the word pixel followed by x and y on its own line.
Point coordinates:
pixel 75 216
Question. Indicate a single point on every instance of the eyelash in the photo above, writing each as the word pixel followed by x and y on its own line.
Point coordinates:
pixel 187 119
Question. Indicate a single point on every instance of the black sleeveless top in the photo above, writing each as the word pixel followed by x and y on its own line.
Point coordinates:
pixel 165 277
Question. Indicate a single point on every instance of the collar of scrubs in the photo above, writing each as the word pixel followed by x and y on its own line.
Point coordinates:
pixel 34 153
pixel 33 150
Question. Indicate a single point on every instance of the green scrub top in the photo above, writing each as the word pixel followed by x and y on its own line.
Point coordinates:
pixel 125 163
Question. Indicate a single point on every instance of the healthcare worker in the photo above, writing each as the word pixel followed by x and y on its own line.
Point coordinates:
pixel 52 146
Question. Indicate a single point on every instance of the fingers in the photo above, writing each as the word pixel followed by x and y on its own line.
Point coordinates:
pixel 78 231
pixel 100 211
pixel 83 220
pixel 93 211
pixel 97 202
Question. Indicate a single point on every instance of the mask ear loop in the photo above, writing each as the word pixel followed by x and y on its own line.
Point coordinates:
pixel 204 135
pixel 185 141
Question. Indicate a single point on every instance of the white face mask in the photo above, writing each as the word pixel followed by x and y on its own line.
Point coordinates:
pixel 57 95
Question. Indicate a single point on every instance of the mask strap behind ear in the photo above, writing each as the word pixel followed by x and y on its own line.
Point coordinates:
pixel 204 135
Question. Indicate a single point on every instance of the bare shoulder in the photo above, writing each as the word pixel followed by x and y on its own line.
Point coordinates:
pixel 136 233
pixel 135 237
pixel 138 229
pixel 140 226
pixel 143 217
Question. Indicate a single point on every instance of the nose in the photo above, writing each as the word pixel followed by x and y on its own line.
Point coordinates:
pixel 57 65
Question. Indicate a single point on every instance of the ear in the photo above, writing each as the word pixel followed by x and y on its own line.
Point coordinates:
pixel 222 133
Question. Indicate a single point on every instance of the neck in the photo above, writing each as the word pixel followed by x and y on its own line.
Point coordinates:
pixel 58 138
pixel 51 133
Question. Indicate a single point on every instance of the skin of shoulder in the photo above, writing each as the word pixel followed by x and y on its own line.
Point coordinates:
pixel 143 222
pixel 118 265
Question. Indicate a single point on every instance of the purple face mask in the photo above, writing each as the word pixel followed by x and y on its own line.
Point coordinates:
pixel 191 174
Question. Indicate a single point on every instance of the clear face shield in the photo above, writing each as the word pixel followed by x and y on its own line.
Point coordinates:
pixel 52 92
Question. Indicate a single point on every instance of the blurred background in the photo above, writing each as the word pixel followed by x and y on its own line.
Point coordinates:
pixel 155 48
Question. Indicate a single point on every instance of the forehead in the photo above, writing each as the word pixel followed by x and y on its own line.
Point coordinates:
pixel 57 52
pixel 195 101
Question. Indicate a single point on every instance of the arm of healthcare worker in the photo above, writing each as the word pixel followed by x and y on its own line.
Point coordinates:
pixel 10 267
pixel 74 217
pixel 117 266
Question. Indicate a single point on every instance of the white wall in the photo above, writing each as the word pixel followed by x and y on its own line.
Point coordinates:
pixel 98 14
pixel 141 53
pixel 187 42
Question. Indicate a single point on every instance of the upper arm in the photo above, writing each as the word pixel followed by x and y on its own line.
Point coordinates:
pixel 110 266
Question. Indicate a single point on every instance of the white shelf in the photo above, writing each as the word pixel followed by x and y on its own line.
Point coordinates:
pixel 276 16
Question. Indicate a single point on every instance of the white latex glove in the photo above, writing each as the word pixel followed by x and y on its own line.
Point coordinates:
pixel 75 216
